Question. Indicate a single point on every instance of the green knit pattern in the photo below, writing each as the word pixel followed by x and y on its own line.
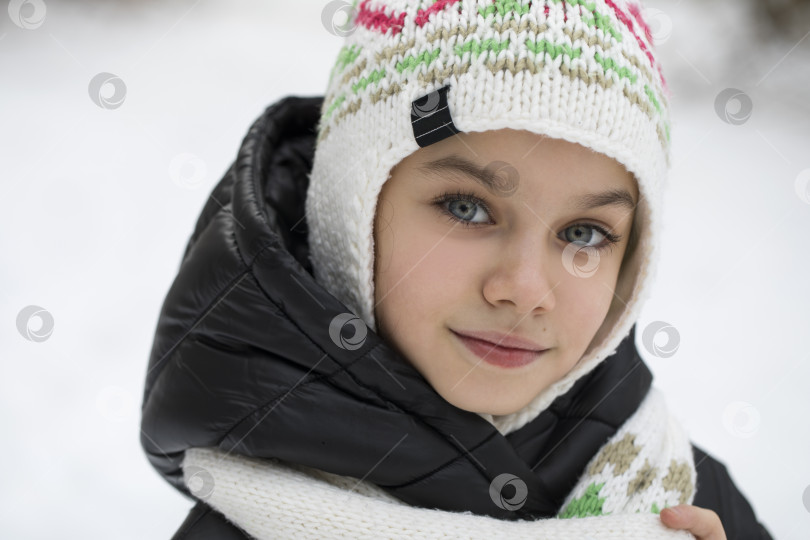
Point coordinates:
pixel 452 46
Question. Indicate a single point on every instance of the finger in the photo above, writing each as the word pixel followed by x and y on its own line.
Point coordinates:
pixel 703 523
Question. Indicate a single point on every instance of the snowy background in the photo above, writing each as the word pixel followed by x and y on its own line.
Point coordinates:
pixel 99 203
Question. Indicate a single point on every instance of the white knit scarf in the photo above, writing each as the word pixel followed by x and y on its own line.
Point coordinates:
pixel 646 466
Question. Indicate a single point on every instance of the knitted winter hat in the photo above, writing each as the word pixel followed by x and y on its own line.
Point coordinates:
pixel 412 72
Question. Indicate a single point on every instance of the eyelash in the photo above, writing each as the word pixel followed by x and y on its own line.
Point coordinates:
pixel 607 245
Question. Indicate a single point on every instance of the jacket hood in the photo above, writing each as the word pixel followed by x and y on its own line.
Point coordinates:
pixel 249 357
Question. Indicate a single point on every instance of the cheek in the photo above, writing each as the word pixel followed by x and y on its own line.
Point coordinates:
pixel 417 272
pixel 584 303
pixel 396 270
pixel 423 282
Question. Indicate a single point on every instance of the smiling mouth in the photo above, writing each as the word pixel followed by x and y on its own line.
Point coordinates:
pixel 504 357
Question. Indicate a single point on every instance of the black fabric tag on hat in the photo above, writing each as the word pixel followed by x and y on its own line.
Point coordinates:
pixel 430 118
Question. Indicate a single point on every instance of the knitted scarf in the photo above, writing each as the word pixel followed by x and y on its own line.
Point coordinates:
pixel 645 466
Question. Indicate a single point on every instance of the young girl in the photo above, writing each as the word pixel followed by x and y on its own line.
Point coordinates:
pixel 408 309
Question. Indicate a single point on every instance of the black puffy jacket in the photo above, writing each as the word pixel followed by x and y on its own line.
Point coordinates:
pixel 243 352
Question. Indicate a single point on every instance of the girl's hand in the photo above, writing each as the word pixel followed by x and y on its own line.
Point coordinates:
pixel 703 523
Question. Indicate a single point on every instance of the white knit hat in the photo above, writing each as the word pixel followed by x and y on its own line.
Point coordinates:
pixel 415 71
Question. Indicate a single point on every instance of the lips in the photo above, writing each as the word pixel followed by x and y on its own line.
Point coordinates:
pixel 507 341
pixel 507 357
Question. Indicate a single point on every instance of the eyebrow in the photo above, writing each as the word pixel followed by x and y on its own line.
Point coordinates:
pixel 453 163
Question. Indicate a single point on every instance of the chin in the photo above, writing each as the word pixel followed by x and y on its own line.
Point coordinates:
pixel 501 411
pixel 494 407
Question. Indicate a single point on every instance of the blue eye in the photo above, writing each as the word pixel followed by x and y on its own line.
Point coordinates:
pixel 584 233
pixel 608 239
pixel 463 207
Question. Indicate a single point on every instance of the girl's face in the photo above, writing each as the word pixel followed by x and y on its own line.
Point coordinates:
pixel 508 259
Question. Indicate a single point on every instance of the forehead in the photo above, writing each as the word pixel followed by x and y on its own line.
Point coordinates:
pixel 536 162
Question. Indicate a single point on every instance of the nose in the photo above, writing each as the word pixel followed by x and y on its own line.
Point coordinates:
pixel 523 276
